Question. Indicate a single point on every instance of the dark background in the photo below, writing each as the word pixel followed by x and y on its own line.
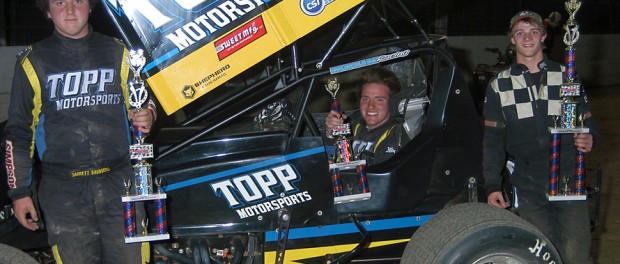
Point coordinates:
pixel 22 23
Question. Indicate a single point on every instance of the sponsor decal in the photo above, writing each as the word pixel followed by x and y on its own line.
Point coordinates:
pixel 82 88
pixel 539 251
pixel 10 167
pixel 360 146
pixel 367 62
pixel 180 36
pixel 240 38
pixel 273 205
pixel 314 7
pixel 189 91
pixel 185 23
pixel 261 192
pixel 248 168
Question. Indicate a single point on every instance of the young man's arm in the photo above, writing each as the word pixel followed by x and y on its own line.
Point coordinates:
pixel 493 151
pixel 24 110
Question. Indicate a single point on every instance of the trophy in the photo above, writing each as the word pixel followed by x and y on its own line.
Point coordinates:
pixel 142 170
pixel 139 151
pixel 569 121
pixel 343 148
pixel 343 156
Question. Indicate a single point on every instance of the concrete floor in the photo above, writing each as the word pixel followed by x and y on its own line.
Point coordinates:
pixel 606 156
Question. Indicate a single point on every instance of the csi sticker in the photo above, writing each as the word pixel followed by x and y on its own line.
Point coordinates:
pixel 314 7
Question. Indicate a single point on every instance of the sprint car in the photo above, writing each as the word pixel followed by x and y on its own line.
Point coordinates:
pixel 240 152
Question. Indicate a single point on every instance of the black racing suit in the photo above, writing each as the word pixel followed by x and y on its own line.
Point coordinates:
pixel 374 146
pixel 379 144
pixel 519 109
pixel 69 99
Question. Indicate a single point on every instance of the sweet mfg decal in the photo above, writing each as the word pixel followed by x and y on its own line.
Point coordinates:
pixel 183 24
pixel 240 38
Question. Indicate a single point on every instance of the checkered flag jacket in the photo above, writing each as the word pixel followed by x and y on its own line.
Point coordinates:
pixel 518 112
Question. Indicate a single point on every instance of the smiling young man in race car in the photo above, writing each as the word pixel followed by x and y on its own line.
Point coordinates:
pixel 377 134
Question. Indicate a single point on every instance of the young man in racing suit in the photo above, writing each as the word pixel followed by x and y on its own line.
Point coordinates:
pixel 522 102
pixel 377 135
pixel 69 99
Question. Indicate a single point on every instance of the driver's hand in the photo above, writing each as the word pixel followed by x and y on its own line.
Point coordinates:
pixel 496 199
pixel 23 207
pixel 333 119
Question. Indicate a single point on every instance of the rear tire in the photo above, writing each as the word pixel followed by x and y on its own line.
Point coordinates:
pixel 478 233
pixel 11 255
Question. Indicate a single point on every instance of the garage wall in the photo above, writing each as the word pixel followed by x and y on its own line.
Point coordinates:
pixel 7 66
pixel 596 55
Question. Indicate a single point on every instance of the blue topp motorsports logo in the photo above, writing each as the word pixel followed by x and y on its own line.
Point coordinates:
pixel 314 7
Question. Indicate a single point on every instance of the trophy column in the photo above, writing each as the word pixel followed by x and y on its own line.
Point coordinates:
pixel 129 213
pixel 343 158
pixel 568 121
pixel 142 176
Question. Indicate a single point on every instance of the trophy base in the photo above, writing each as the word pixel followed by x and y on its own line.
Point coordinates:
pixel 572 197
pixel 352 198
pixel 149 237
pixel 556 130
pixel 347 165
pixel 137 198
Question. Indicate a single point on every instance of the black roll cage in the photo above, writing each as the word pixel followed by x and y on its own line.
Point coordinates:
pixel 292 75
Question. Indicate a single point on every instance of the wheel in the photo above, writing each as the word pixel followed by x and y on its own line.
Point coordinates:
pixel 11 255
pixel 478 233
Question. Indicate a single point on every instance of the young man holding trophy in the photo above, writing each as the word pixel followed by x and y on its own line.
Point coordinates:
pixel 522 103
pixel 69 99
pixel 376 135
